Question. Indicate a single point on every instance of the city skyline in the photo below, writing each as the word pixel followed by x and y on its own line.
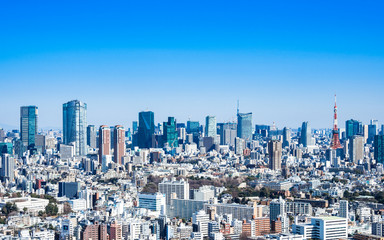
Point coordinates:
pixel 202 119
pixel 283 61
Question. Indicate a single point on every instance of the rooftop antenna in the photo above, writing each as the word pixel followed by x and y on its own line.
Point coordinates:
pixel 238 106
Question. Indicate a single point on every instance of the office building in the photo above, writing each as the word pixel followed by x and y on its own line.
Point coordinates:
pixel 91 136
pixel 228 133
pixel 119 143
pixel 277 208
pixel 193 127
pixel 275 153
pixel 306 136
pixel 239 146
pixel 104 141
pixel 373 129
pixel 238 211
pixel 134 127
pixel 170 133
pixel 155 202
pixel 74 126
pixel 7 167
pixel 200 221
pixel 353 127
pixel 146 129
pixel 379 148
pixel 323 228
pixel 180 188
pixel 244 126
pixel 356 148
pixel 286 137
pixel 69 189
pixel 210 126
pixel 343 210
pixel 28 125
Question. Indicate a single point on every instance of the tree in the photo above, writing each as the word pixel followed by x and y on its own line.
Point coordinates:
pixel 67 208
pixel 51 209
pixel 9 208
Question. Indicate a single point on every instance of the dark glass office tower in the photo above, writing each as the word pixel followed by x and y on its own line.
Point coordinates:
pixel 353 127
pixel 170 133
pixel 75 126
pixel 28 124
pixel 379 148
pixel 146 129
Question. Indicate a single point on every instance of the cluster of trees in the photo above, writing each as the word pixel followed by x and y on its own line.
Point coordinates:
pixel 9 208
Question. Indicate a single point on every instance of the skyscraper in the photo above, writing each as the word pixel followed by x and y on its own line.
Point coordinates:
pixel 373 129
pixel 379 148
pixel 74 125
pixel 353 127
pixel 356 148
pixel 275 152
pixel 286 137
pixel 306 136
pixel 210 126
pixel 343 211
pixel 119 143
pixel 104 142
pixel 193 128
pixel 91 136
pixel 170 134
pixel 28 124
pixel 244 126
pixel 7 167
pixel 146 129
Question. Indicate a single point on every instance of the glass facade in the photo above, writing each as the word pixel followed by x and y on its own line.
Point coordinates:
pixel 306 135
pixel 210 126
pixel 244 126
pixel 75 126
pixel 170 133
pixel 28 125
pixel 379 148
pixel 146 129
pixel 353 127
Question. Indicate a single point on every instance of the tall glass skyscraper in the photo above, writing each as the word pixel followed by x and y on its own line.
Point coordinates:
pixel 170 133
pixel 210 127
pixel 193 127
pixel 353 127
pixel 146 129
pixel 91 136
pixel 379 148
pixel 306 135
pixel 75 125
pixel 28 125
pixel 244 126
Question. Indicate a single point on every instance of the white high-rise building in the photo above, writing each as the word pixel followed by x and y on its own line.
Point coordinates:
pixel 323 228
pixel 201 219
pixel 179 187
pixel 343 211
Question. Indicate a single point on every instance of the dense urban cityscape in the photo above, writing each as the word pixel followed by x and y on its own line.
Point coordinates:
pixel 173 180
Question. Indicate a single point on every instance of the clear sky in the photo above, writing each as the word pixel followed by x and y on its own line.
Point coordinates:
pixel 284 60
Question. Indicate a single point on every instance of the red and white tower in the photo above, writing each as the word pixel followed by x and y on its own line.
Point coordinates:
pixel 335 133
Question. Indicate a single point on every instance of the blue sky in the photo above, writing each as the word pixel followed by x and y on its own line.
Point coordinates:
pixel 284 60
